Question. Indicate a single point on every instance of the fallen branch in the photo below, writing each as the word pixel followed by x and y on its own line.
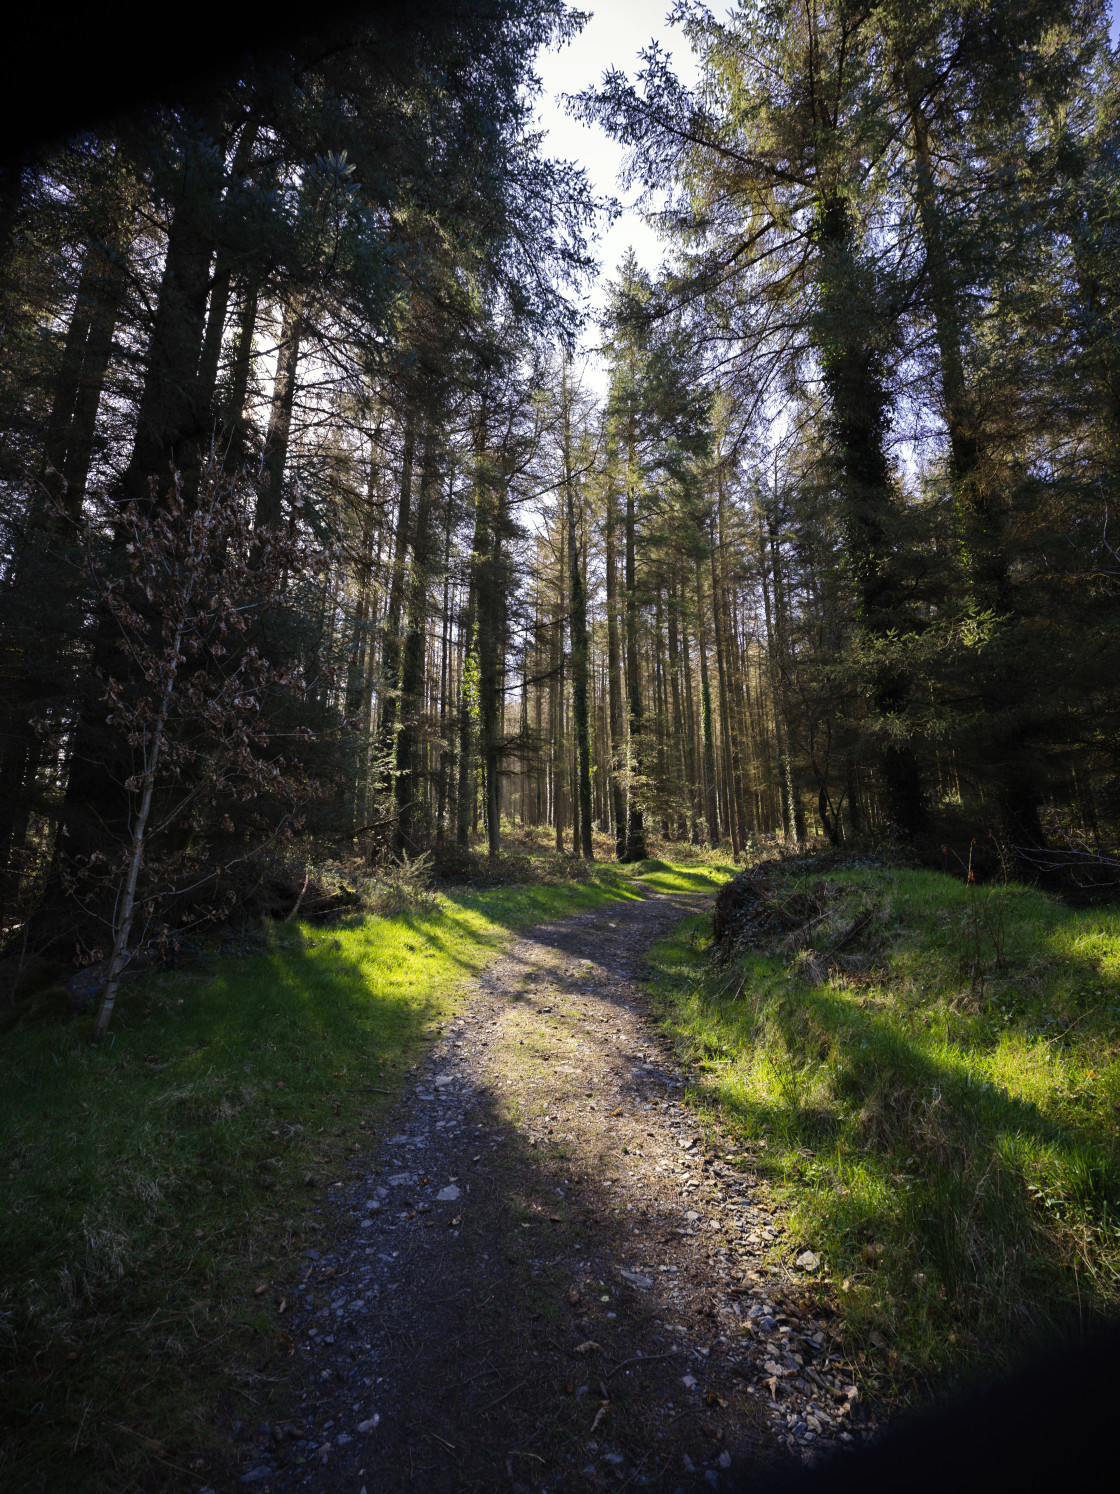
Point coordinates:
pixel 853 933
pixel 645 1359
pixel 504 1397
pixel 303 889
pixel 390 819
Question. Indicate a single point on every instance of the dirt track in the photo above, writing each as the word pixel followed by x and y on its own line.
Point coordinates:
pixel 548 1279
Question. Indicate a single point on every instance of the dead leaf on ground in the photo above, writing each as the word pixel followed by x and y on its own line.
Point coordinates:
pixel 585 1348
pixel 601 1415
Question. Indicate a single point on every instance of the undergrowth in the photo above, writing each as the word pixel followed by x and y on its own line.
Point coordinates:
pixel 938 1107
pixel 157 1189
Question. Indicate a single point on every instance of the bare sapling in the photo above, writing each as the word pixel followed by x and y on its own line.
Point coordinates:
pixel 190 700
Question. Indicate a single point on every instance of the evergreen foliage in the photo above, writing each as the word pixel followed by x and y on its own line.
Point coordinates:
pixel 834 556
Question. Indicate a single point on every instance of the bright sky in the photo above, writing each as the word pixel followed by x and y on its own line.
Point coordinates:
pixel 616 33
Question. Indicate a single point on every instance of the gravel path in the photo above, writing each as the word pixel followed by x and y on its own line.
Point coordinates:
pixel 548 1279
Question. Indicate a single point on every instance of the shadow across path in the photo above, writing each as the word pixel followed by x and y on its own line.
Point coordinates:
pixel 546 1280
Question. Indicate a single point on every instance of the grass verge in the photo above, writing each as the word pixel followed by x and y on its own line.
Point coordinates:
pixel 940 1117
pixel 158 1189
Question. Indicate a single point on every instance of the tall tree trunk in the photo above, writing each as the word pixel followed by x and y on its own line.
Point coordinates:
pixel 270 496
pixel 557 703
pixel 468 628
pixel 614 673
pixel 411 708
pixel 68 446
pixel 724 711
pixel 168 432
pixel 171 424
pixel 391 646
pixel 35 571
pixel 445 670
pixel 768 546
pixel 491 638
pixel 216 315
pixel 729 671
pixel 983 528
pixel 220 287
pixel 859 410
pixel 1008 749
pixel 465 793
pixel 679 733
pixel 235 415
pixel 581 648
pixel 359 673
pixel 635 821
pixel 710 808
pixel 660 695
pixel 694 750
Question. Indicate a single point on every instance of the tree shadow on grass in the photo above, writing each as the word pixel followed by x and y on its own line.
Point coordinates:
pixel 970 1201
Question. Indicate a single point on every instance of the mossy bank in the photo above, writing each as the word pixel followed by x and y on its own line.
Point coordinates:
pixel 938 1111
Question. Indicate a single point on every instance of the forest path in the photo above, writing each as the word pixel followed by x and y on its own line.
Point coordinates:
pixel 548 1279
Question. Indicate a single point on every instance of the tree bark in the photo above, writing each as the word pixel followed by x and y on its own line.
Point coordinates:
pixel 35 568
pixel 556 711
pixel 169 431
pixel 859 408
pixel 235 417
pixel 614 673
pixel 982 521
pixel 391 647
pixel 491 641
pixel 581 648
pixel 711 811
pixel 411 708
pixel 724 710
pixel 270 496
pixel 635 821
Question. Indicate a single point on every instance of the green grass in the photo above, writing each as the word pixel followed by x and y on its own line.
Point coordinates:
pixel 677 877
pixel 152 1184
pixel 943 1127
